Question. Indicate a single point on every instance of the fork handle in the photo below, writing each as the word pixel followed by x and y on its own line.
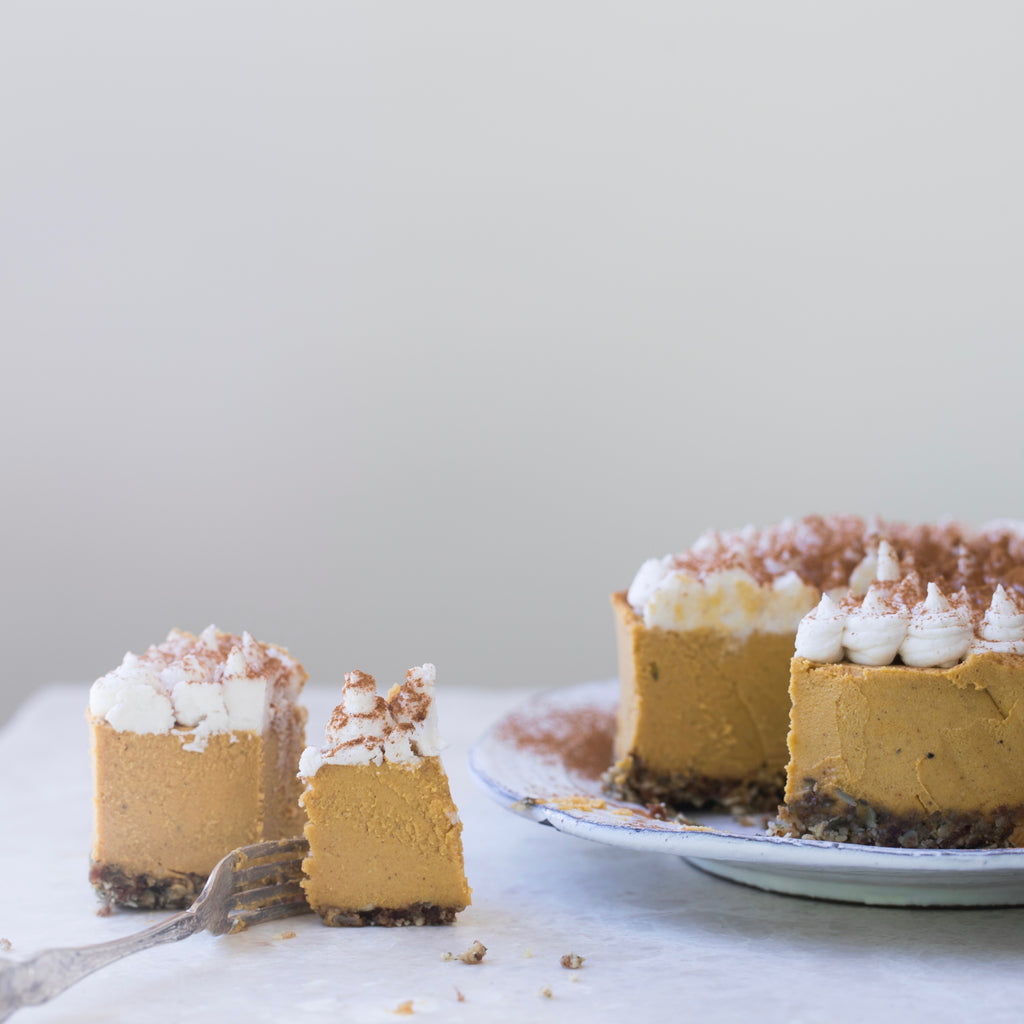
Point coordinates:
pixel 33 981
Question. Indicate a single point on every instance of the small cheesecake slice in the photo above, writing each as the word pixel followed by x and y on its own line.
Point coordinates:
pixel 385 840
pixel 195 745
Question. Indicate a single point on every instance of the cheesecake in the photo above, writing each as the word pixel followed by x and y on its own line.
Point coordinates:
pixel 385 839
pixel 907 722
pixel 195 748
pixel 865 674
pixel 705 640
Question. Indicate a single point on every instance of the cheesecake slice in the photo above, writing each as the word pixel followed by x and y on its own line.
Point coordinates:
pixel 385 844
pixel 907 723
pixel 195 746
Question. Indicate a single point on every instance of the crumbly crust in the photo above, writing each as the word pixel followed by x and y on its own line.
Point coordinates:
pixel 389 917
pixel 629 779
pixel 115 886
pixel 818 815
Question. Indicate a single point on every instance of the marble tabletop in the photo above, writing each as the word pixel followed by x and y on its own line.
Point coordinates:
pixel 659 938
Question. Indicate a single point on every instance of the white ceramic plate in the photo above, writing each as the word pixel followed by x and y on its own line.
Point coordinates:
pixel 544 760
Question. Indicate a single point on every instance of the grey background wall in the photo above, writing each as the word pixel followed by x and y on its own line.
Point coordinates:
pixel 398 333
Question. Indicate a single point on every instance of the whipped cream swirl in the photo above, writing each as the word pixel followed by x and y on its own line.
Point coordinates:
pixel 873 633
pixel 887 566
pixel 819 637
pixel 1004 621
pixel 939 634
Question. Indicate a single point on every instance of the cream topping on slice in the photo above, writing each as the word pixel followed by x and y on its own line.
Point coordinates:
pixel 198 686
pixel 366 728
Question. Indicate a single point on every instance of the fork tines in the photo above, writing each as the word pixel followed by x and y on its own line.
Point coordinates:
pixel 266 882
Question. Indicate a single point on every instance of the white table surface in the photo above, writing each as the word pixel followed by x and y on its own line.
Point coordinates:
pixel 660 938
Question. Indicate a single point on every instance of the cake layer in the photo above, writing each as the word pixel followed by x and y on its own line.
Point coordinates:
pixel 162 810
pixel 382 837
pixel 283 817
pixel 895 755
pixel 165 814
pixel 703 714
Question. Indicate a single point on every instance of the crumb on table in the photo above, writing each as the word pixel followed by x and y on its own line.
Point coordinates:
pixel 405 1009
pixel 6 945
pixel 473 955
pixel 572 961
pixel 547 993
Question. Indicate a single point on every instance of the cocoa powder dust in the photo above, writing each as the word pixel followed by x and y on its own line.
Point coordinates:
pixel 581 739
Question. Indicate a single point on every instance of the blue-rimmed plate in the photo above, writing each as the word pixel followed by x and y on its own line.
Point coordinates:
pixel 544 761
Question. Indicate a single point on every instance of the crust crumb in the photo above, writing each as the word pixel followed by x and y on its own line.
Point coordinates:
pixel 572 961
pixel 473 955
pixel 459 996
pixel 405 1009
pixel 287 935
pixel 546 992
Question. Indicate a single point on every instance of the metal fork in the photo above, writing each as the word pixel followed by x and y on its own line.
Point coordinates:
pixel 250 885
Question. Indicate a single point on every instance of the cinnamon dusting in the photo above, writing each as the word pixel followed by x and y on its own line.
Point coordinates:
pixel 824 550
pixel 579 739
